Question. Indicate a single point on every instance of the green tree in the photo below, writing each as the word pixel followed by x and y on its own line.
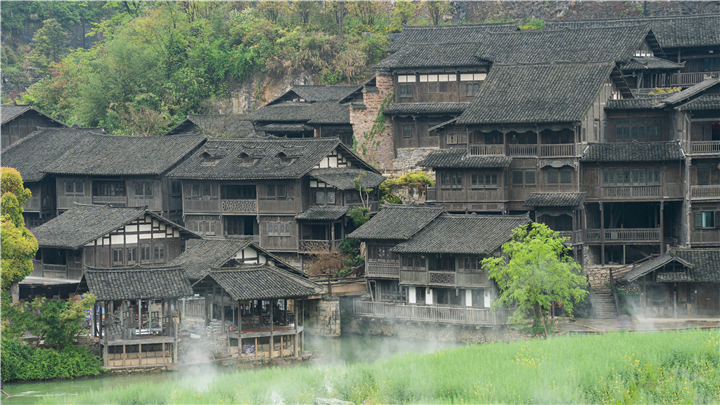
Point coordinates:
pixel 51 42
pixel 304 9
pixel 18 244
pixel 537 272
pixel 435 10
pixel 403 12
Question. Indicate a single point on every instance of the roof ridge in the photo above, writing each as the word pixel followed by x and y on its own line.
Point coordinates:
pixel 451 26
pixel 570 29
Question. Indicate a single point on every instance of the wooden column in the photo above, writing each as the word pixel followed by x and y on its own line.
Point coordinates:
pixel 124 356
pixel 150 302
pixel 297 315
pixel 239 318
pixel 272 335
pixel 94 323
pixel 302 316
pixel 602 234
pixel 222 312
pixel 162 314
pixel 139 316
pixel 207 309
pixel 662 227
pixel 674 300
pixel 163 352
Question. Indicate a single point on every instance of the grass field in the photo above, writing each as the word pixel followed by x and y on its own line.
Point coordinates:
pixel 664 367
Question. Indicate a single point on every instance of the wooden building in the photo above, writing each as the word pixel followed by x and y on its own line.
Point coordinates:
pixel 19 121
pixel 309 111
pixel 105 237
pixel 291 196
pixel 681 283
pixel 219 125
pixel 425 265
pixel 140 306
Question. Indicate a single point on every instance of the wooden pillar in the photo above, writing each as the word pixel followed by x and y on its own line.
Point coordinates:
pixel 139 316
pixel 302 316
pixel 124 356
pixel 94 323
pixel 272 335
pixel 602 234
pixel 256 348
pixel 150 302
pixel 295 339
pixel 162 314
pixel 163 352
pixel 101 320
pixel 662 227
pixel 222 312
pixel 674 300
pixel 624 247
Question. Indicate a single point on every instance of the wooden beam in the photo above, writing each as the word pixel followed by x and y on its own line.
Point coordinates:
pixel 295 338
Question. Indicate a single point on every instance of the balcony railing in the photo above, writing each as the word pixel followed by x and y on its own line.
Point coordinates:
pixel 431 313
pixel 318 245
pixel 383 269
pixel 522 150
pixel 107 199
pixel 238 206
pixel 483 150
pixel 559 150
pixel 705 147
pixel 705 191
pixel 636 191
pixel 689 78
pixel 446 278
pixel 624 235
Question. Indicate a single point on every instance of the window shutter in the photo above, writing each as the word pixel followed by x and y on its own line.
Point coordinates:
pixel 717 219
pixel 707 133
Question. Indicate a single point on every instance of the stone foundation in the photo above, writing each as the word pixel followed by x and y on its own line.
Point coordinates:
pixel 322 317
pixel 408 158
pixel 432 331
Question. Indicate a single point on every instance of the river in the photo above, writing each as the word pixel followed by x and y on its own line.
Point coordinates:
pixel 347 349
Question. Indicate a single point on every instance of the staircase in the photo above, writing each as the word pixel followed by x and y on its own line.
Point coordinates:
pixel 603 302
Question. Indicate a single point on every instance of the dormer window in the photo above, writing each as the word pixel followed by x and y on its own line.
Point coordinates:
pixel 285 159
pixel 246 159
pixel 643 53
pixel 211 156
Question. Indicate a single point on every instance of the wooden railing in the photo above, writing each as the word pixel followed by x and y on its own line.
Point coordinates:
pixel 705 191
pixel 238 206
pixel 624 235
pixel 472 279
pixel 317 245
pixel 688 78
pixel 199 205
pixel 483 150
pixel 54 270
pixel 441 277
pixel 634 191
pixel 412 276
pixel 522 150
pixel 705 147
pixel 107 199
pixel 558 150
pixel 383 269
pixel 193 307
pixel 448 278
pixel 33 204
pixel 431 313
pixel 705 236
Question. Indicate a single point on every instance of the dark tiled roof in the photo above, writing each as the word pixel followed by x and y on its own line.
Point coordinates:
pixel 633 152
pixel 263 282
pixel 137 282
pixel 425 108
pixel 463 234
pixel 459 159
pixel 433 55
pixel 10 111
pixel 225 125
pixel 322 112
pixel 32 155
pixel 691 91
pixel 554 199
pixel 670 32
pixel 701 265
pixel 616 44
pixel 307 154
pixel 286 128
pixel 112 155
pixel 85 223
pixel 637 103
pixel 323 93
pixel 704 102
pixel 562 92
pixel 397 222
pixel 344 179
pixel 429 34
pixel 328 213
pixel 651 62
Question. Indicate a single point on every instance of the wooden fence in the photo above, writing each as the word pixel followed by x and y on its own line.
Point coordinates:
pixel 430 313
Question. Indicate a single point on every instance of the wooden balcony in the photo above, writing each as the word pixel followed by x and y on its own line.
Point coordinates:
pixel 443 278
pixel 701 236
pixel 432 313
pixel 308 245
pixel 557 150
pixel 629 235
pixel 573 236
pixel 522 150
pixel 239 206
pixel 705 147
pixel 61 271
pixel 485 150
pixel 387 269
pixel 700 192
pixel 632 192
pixel 117 200
pixel 689 78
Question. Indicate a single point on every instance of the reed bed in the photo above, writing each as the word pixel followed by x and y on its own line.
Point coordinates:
pixel 663 367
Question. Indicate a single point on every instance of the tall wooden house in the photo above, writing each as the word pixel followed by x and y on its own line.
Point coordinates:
pixel 19 121
pixel 308 111
pixel 423 264
pixel 290 196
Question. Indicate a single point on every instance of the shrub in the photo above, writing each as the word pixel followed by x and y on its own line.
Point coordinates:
pixel 22 362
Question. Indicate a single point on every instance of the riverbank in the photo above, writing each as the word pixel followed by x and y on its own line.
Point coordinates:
pixel 617 367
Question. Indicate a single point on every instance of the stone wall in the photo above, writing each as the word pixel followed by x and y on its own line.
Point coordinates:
pixel 431 331
pixel 413 193
pixel 377 149
pixel 408 158
pixel 322 317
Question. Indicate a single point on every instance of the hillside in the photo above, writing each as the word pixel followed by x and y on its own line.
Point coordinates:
pixel 142 67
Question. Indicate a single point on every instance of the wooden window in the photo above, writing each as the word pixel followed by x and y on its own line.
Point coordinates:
pixel 480 180
pixel 196 190
pixel 131 254
pixel 77 256
pixel 109 188
pixel 270 190
pixel 407 131
pixel 442 263
pixel 406 90
pixel 468 263
pixel 145 254
pixel 631 177
pixel 414 262
pixel 331 197
pixel 74 188
pixel 143 189
pixel 472 88
pixel 204 225
pixel 707 219
pixel 523 177
pixel 117 257
pixel 176 187
pixel 278 228
pixel 433 87
pixel 159 253
pixel 559 176
pixel 451 180
pixel 442 87
pixel 320 197
pixel 638 129
pixel 207 190
pixel 280 191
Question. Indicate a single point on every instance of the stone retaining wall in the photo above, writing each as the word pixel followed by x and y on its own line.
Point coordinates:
pixel 323 317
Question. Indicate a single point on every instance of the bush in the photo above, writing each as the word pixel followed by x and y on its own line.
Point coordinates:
pixel 22 362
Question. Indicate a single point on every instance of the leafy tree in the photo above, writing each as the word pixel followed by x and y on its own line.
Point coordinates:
pixel 537 272
pixel 403 12
pixel 51 42
pixel 304 9
pixel 359 215
pixel 18 244
pixel 435 10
